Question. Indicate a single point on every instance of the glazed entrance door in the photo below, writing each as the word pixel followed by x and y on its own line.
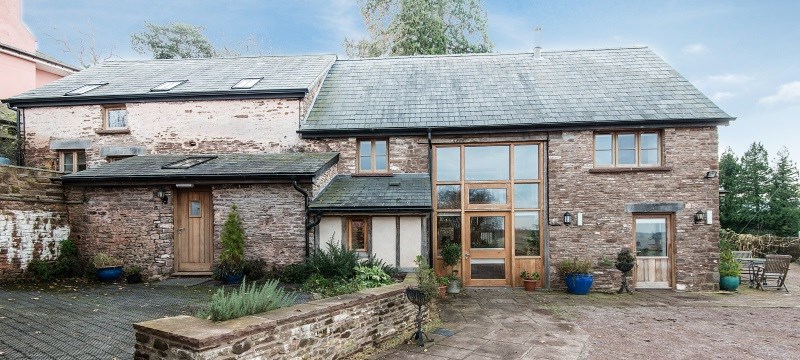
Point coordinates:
pixel 193 248
pixel 487 249
pixel 653 238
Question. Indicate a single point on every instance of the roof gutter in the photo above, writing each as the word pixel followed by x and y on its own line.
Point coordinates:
pixel 253 178
pixel 373 209
pixel 156 97
pixel 58 68
pixel 646 124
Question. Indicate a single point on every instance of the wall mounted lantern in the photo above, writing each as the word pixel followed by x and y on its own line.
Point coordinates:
pixel 161 193
pixel 567 218
pixel 699 217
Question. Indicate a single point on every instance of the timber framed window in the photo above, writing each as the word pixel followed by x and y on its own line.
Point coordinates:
pixel 71 161
pixel 627 149
pixel 115 117
pixel 357 230
pixel 373 156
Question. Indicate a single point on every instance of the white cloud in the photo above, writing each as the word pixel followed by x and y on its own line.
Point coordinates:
pixel 722 95
pixel 788 93
pixel 697 48
pixel 730 78
pixel 341 20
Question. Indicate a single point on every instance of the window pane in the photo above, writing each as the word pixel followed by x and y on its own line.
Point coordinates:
pixel 649 157
pixel 68 162
pixel 381 163
pixel 448 164
pixel 603 157
pixel 526 234
pixel 626 157
pixel 81 158
pixel 448 197
pixel 651 237
pixel 380 147
pixel 602 142
pixel 487 268
pixel 487 232
pixel 365 164
pixel 649 141
pixel 448 230
pixel 117 118
pixel 194 209
pixel 526 162
pixel 358 240
pixel 526 196
pixel 486 163
pixel 488 196
pixel 626 141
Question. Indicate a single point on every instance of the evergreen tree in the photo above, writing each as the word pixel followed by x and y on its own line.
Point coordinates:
pixel 784 190
pixel 754 184
pixel 730 207
pixel 232 238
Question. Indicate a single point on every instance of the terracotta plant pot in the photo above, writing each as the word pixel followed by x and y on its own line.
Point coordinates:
pixel 442 291
pixel 529 285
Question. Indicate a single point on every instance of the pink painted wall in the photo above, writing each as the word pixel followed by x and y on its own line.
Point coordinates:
pixel 12 31
pixel 16 75
pixel 44 77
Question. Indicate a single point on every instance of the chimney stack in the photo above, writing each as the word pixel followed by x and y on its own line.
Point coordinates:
pixel 537 50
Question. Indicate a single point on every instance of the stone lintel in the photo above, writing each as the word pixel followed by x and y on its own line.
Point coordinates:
pixel 654 207
pixel 122 150
pixel 71 144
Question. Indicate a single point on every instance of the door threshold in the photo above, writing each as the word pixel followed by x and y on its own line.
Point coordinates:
pixel 192 273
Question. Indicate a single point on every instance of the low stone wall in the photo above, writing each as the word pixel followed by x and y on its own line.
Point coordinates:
pixel 33 218
pixel 331 328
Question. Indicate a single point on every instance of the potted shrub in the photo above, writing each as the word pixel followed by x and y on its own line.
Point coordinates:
pixel 133 274
pixel 231 260
pixel 529 280
pixel 451 255
pixel 625 263
pixel 108 267
pixel 729 271
pixel 443 282
pixel 577 275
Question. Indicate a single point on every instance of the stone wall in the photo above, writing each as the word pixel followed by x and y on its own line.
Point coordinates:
pixel 220 126
pixel 129 223
pixel 333 328
pixel 602 197
pixel 33 218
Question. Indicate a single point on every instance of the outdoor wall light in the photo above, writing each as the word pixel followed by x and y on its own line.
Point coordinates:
pixel 699 217
pixel 711 174
pixel 161 193
pixel 567 218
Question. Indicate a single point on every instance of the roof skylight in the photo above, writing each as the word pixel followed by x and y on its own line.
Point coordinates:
pixel 246 83
pixel 188 162
pixel 84 89
pixel 167 85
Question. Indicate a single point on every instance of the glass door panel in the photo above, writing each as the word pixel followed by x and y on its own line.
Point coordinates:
pixel 486 257
pixel 652 235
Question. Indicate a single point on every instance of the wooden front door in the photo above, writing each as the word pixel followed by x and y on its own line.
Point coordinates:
pixel 486 249
pixel 654 251
pixel 194 231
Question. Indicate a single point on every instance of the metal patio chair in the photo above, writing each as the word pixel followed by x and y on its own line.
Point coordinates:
pixel 746 267
pixel 775 269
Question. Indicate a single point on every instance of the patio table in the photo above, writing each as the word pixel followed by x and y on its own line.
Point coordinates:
pixel 752 263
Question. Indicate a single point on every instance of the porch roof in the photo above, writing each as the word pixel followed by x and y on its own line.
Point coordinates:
pixel 226 168
pixel 399 192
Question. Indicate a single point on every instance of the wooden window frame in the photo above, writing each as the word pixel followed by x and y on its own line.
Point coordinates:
pixel 637 150
pixel 372 170
pixel 74 154
pixel 350 233
pixel 107 110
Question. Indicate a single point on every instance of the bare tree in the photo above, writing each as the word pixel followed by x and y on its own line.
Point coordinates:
pixel 85 51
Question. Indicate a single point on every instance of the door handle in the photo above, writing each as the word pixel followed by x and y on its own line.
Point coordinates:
pixel 466 255
pixel 181 229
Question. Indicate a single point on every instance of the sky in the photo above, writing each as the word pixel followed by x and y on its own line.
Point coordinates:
pixel 741 54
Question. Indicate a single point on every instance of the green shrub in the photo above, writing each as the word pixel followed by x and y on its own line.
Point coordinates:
pixel 373 261
pixel 451 254
pixel 372 276
pixel 255 269
pixel 69 263
pixel 295 273
pixel 426 278
pixel 41 270
pixel 335 262
pixel 247 300
pixel 573 266
pixel 327 287
pixel 728 266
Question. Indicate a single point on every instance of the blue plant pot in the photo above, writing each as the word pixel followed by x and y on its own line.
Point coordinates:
pixel 109 274
pixel 729 283
pixel 579 284
pixel 233 279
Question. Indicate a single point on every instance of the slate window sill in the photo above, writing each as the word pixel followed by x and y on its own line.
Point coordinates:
pixel 614 170
pixel 112 131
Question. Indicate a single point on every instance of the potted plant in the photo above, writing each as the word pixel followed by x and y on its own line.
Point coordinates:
pixel 729 271
pixel 443 282
pixel 133 274
pixel 625 263
pixel 230 269
pixel 108 267
pixel 529 280
pixel 451 255
pixel 577 275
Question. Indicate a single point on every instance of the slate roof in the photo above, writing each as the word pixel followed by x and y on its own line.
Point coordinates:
pixel 409 192
pixel 563 88
pixel 130 80
pixel 230 167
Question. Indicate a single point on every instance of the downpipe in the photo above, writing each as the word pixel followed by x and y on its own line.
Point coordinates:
pixel 306 224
